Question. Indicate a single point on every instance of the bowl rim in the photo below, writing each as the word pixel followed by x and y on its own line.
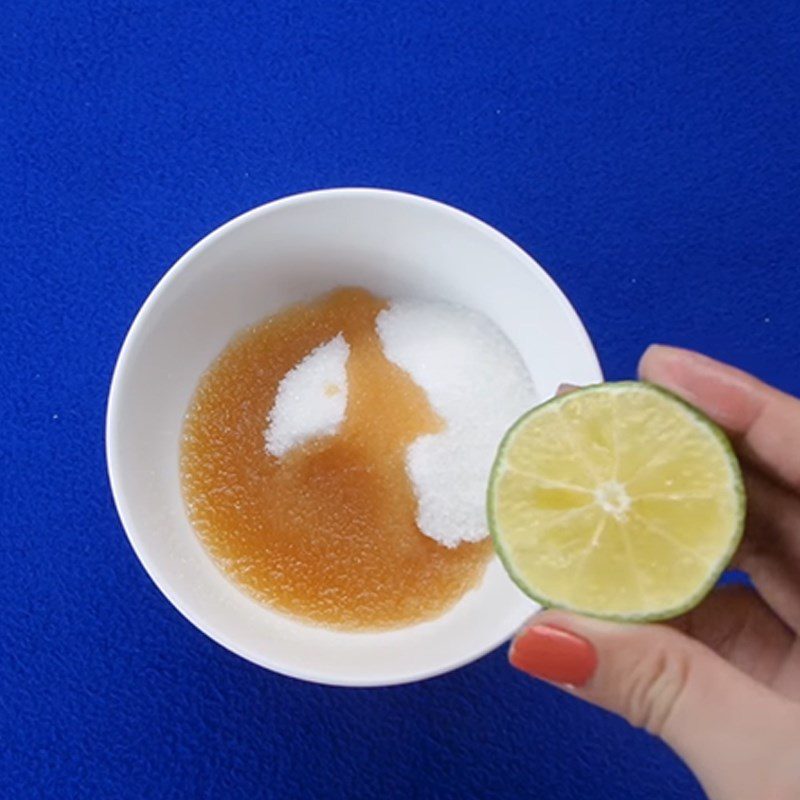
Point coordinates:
pixel 135 331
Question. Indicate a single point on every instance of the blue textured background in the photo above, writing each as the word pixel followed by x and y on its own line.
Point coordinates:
pixel 645 152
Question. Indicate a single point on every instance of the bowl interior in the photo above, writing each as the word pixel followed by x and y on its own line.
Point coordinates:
pixel 394 245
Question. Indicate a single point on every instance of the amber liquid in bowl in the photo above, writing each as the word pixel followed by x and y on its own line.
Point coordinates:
pixel 328 532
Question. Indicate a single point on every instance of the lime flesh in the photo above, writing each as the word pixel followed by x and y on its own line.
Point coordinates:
pixel 619 500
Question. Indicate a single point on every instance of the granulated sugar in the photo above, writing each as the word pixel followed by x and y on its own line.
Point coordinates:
pixel 477 382
pixel 311 400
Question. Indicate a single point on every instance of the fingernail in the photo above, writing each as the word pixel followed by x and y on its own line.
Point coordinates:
pixel 554 655
pixel 566 388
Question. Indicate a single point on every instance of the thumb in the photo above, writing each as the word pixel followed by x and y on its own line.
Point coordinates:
pixel 724 724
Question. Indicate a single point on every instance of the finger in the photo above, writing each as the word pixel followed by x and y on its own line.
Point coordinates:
pixel 770 550
pixel 736 623
pixel 724 724
pixel 764 421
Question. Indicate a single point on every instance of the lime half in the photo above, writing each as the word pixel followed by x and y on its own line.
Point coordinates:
pixel 618 500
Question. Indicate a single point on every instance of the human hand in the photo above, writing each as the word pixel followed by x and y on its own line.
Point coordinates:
pixel 721 685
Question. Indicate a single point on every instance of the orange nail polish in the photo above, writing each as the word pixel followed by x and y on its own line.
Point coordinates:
pixel 554 655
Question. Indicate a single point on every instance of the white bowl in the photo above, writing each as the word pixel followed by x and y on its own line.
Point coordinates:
pixel 295 248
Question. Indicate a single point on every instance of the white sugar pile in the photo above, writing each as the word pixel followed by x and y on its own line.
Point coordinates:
pixel 311 399
pixel 477 382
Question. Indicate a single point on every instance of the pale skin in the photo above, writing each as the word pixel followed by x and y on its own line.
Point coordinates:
pixel 721 685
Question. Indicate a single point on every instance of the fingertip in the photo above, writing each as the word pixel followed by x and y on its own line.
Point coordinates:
pixel 656 361
pixel 554 654
pixel 683 372
pixel 729 396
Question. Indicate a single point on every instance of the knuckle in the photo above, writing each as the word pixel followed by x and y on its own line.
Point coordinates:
pixel 654 687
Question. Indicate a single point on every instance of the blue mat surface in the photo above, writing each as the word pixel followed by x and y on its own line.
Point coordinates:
pixel 646 153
